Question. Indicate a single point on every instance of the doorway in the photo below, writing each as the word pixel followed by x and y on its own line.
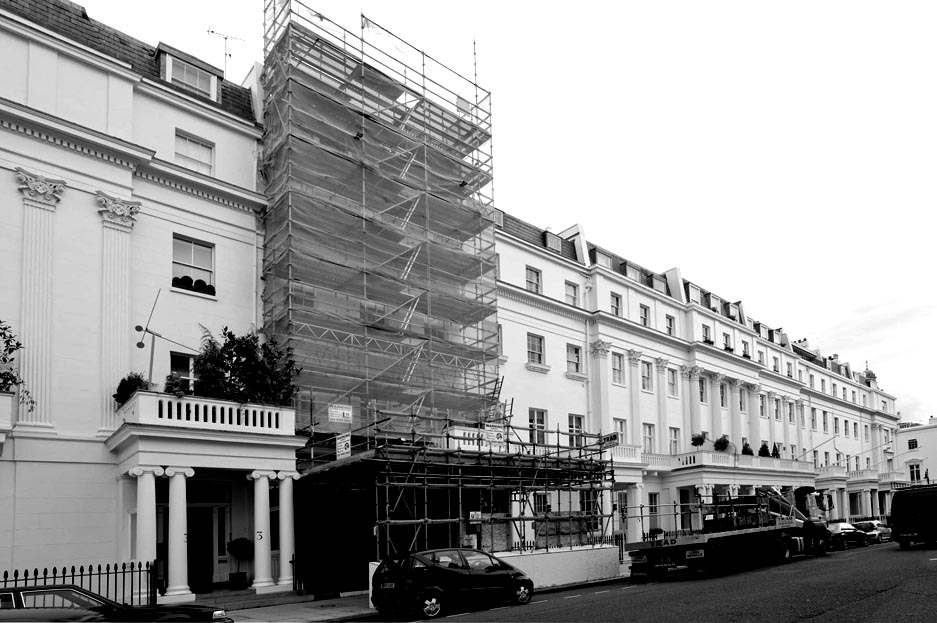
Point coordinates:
pixel 200 548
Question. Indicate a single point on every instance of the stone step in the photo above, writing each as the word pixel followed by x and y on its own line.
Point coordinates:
pixel 242 599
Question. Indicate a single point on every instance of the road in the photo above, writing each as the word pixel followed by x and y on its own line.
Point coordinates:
pixel 873 584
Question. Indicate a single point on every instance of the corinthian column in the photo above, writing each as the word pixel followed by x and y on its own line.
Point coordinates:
pixel 117 218
pixel 40 197
pixel 634 361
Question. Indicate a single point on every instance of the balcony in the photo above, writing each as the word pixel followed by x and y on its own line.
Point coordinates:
pixel 862 474
pixel 893 477
pixel 627 454
pixel 206 414
pixel 832 471
pixel 704 458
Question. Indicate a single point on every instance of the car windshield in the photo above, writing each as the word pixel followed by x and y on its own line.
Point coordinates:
pixel 865 527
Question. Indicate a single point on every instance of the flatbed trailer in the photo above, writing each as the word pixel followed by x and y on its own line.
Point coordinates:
pixel 737 532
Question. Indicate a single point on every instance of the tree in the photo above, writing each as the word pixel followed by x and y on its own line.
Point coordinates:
pixel 697 439
pixel 721 444
pixel 763 450
pixel 747 449
pixel 10 378
pixel 243 370
pixel 776 453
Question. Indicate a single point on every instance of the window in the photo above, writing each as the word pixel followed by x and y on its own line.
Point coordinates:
pixel 865 432
pixel 671 325
pixel 653 500
pixel 702 390
pixel 816 459
pixel 790 413
pixel 813 418
pixel 790 370
pixel 912 444
pixel 537 420
pixel 616 304
pixel 194 153
pixel 762 406
pixel 915 471
pixel 743 407
pixel 618 368
pixel 726 341
pixel 671 382
pixel 181 365
pixel 761 357
pixel 646 383
pixel 853 397
pixel 534 348
pixel 572 294
pixel 541 503
pixel 775 364
pixel 811 382
pixel 777 408
pixel 826 458
pixel 191 78
pixel 193 265
pixel 836 426
pixel 648 438
pixel 793 452
pixel 674 440
pixel 844 393
pixel 868 462
pixel 575 431
pixel 884 406
pixel 826 423
pixel 722 394
pixel 645 315
pixel 745 352
pixel 839 458
pixel 621 429
pixel 834 389
pixel 855 429
pixel 590 508
pixel 533 280
pixel 573 358
pixel 706 336
pixel 823 385
pixel 603 260
pixel 846 428
pixel 800 375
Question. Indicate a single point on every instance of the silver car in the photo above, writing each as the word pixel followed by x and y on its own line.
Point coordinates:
pixel 877 531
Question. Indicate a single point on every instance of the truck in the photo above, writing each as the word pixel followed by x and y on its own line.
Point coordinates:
pixel 769 526
pixel 914 515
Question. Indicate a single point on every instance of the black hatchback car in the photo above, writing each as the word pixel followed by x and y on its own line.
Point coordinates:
pixel 66 602
pixel 433 582
pixel 844 535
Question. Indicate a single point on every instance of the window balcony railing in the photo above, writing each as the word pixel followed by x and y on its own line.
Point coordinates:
pixel 206 414
pixel 896 477
pixel 703 458
pixel 659 462
pixel 627 454
pixel 832 471
pixel 862 474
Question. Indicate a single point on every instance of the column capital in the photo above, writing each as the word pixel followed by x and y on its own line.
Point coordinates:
pixel 661 364
pixel 38 188
pixel 718 377
pixel 186 472
pixel 283 475
pixel 138 470
pixel 634 357
pixel 689 372
pixel 115 211
pixel 257 474
pixel 738 384
pixel 600 348
pixel 771 395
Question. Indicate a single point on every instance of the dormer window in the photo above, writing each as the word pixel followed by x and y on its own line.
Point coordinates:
pixel 189 73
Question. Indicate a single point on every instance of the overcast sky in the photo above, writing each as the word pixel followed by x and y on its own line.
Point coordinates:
pixel 778 153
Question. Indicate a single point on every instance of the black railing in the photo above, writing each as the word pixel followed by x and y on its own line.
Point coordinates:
pixel 131 583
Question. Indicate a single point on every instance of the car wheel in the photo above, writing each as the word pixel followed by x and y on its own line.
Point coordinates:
pixel 865 542
pixel 523 594
pixel 430 604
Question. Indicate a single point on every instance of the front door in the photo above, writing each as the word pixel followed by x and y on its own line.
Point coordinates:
pixel 200 548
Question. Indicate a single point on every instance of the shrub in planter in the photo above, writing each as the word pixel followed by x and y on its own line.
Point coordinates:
pixel 176 385
pixel 239 549
pixel 721 444
pixel 776 453
pixel 747 449
pixel 697 439
pixel 10 378
pixel 763 450
pixel 128 385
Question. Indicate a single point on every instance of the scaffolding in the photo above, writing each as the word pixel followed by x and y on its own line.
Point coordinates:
pixel 379 260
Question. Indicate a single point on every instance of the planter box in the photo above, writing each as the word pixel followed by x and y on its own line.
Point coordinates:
pixel 7 408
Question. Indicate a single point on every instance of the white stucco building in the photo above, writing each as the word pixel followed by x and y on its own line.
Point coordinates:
pixel 124 169
pixel 917 451
pixel 592 342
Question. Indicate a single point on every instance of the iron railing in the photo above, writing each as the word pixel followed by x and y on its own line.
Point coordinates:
pixel 132 583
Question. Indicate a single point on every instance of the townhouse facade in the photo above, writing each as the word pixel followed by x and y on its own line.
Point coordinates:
pixel 129 224
pixel 917 448
pixel 595 343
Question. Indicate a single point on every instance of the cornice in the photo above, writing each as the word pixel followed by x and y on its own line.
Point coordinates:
pixel 41 126
pixel 183 180
pixel 540 301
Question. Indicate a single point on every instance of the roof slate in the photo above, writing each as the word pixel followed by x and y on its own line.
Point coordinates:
pixel 534 235
pixel 71 21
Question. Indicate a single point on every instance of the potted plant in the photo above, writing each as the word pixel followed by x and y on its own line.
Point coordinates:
pixel 697 440
pixel 10 378
pixel 763 450
pixel 747 449
pixel 128 386
pixel 176 385
pixel 721 444
pixel 240 549
pixel 776 453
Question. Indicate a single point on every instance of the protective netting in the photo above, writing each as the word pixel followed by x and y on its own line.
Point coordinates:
pixel 379 260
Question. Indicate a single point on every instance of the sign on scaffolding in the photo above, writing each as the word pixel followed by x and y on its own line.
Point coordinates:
pixel 340 413
pixel 609 441
pixel 343 446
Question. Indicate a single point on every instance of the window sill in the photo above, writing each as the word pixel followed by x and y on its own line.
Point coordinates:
pixel 576 376
pixel 537 367
pixel 200 295
pixel 618 384
pixel 647 391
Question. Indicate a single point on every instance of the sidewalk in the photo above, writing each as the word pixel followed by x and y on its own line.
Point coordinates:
pixel 354 608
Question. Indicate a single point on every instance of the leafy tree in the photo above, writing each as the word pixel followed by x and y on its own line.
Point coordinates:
pixel 721 444
pixel 747 449
pixel 697 439
pixel 776 453
pixel 763 450
pixel 10 378
pixel 243 370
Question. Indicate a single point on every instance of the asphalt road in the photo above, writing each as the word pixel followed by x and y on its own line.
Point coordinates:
pixel 872 584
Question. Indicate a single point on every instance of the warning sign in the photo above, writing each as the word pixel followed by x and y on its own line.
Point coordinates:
pixel 343 446
pixel 340 413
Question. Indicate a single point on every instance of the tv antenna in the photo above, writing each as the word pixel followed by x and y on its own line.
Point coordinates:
pixel 225 37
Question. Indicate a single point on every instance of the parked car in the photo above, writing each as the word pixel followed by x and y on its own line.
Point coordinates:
pixel 876 530
pixel 844 535
pixel 434 581
pixel 66 602
pixel 912 515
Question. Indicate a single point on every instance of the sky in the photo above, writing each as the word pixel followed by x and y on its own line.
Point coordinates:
pixel 778 153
